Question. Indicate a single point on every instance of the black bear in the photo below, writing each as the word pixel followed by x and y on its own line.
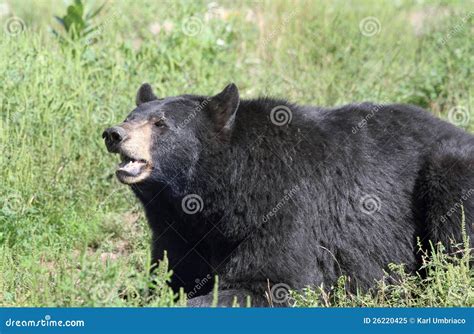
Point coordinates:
pixel 264 193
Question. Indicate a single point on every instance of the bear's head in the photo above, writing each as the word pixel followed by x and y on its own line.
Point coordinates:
pixel 162 138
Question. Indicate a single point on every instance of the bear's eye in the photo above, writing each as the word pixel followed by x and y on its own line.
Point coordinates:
pixel 160 123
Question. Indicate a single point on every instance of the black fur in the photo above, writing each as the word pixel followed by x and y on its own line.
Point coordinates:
pixel 341 191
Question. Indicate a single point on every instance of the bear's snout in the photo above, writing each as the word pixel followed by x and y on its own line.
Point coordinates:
pixel 113 137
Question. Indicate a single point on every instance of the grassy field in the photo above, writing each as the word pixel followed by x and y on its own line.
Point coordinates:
pixel 71 235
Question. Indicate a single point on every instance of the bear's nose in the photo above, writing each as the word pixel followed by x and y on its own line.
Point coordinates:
pixel 114 136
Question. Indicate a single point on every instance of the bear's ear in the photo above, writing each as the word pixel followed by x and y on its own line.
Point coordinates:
pixel 223 107
pixel 145 94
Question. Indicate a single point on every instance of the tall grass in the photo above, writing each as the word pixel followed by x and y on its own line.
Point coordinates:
pixel 447 281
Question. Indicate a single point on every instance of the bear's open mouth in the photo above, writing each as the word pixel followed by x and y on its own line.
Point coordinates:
pixel 131 168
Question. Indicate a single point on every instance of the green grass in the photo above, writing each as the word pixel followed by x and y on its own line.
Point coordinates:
pixel 71 235
pixel 448 282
